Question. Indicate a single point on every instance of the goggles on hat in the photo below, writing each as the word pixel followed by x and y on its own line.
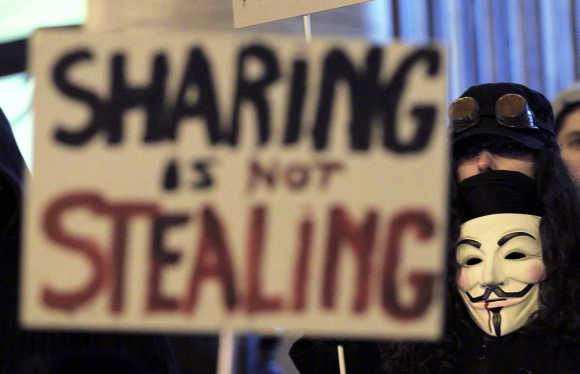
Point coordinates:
pixel 511 110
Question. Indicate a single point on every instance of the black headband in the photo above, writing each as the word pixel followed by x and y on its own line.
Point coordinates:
pixel 498 191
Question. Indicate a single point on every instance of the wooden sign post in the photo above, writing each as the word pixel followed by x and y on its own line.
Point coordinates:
pixel 307 28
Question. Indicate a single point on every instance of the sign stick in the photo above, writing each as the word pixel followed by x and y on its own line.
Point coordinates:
pixel 226 352
pixel 307 28
pixel 341 363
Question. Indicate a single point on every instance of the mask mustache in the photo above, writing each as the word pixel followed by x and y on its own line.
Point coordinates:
pixel 499 292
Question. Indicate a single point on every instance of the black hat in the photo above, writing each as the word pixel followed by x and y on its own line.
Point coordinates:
pixel 487 95
pixel 498 191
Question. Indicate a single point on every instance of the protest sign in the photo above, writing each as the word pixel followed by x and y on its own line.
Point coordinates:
pixel 253 12
pixel 197 182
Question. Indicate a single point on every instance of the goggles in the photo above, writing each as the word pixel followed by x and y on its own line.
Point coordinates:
pixel 511 110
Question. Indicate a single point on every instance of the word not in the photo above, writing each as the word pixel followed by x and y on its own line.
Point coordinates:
pixel 296 176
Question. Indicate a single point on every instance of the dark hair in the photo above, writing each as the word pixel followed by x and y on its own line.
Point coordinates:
pixel 567 110
pixel 560 233
pixel 559 312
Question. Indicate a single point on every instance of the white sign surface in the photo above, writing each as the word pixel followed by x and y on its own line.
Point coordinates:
pixel 109 15
pixel 191 183
pixel 253 12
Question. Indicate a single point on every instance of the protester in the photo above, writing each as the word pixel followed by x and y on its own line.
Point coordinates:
pixel 23 351
pixel 505 161
pixel 567 113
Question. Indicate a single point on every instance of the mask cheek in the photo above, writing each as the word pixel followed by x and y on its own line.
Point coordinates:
pixel 536 272
pixel 532 271
pixel 464 279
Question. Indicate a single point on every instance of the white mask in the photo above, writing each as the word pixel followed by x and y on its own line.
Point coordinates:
pixel 500 266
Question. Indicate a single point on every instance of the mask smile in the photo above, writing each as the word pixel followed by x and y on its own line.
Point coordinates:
pixel 500 293
pixel 500 270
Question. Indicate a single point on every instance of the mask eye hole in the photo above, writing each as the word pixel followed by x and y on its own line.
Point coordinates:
pixel 515 256
pixel 472 261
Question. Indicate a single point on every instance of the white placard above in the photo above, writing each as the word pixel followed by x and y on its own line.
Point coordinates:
pixel 253 12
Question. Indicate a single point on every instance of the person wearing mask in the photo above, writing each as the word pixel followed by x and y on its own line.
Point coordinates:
pixel 513 281
pixel 513 271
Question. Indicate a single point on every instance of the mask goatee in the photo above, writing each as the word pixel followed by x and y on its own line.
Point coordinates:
pixel 496 318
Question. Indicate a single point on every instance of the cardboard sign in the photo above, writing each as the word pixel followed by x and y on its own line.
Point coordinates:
pixel 253 12
pixel 110 15
pixel 193 182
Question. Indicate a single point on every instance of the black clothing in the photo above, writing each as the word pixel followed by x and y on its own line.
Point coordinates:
pixel 519 352
pixel 522 352
pixel 311 356
pixel 49 351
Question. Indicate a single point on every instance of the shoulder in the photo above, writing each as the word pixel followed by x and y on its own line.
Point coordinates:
pixel 568 356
